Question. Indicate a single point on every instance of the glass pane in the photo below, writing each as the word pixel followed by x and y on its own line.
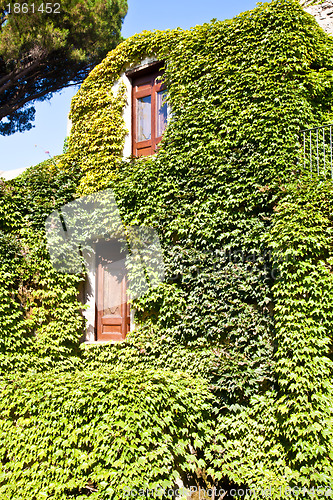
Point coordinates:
pixel 113 283
pixel 162 113
pixel 144 118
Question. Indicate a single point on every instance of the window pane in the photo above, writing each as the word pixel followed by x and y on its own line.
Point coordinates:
pixel 113 283
pixel 144 118
pixel 162 113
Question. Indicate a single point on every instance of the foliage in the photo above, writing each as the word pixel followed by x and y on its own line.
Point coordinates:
pixel 100 434
pixel 283 439
pixel 302 240
pixel 249 451
pixel 226 159
pixel 40 311
pixel 87 145
pixel 228 199
pixel 46 47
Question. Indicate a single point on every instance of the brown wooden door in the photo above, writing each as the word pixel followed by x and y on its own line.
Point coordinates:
pixel 149 113
pixel 112 309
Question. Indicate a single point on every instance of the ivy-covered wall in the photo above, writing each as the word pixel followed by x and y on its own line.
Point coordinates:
pixel 243 319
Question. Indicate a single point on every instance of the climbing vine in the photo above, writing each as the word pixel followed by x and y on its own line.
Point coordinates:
pixel 243 317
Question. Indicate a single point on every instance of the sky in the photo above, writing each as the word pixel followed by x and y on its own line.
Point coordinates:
pixel 46 139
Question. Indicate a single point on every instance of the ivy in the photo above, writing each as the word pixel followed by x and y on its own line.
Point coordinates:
pixel 100 434
pixel 243 318
pixel 302 240
pixel 41 321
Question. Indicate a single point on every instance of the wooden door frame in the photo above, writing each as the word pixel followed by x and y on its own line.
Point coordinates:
pixel 147 75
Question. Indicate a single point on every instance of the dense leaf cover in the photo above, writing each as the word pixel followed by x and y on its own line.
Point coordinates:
pixel 248 254
pixel 108 432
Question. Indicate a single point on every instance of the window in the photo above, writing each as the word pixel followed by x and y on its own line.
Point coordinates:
pixel 112 310
pixel 149 111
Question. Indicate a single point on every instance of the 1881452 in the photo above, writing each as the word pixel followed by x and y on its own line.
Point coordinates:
pixel 31 8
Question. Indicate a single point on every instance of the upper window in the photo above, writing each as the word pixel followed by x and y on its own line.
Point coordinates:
pixel 149 111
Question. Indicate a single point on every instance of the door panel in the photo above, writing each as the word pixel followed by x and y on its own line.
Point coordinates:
pixel 112 310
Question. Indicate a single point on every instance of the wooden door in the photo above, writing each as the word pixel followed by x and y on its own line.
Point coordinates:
pixel 112 309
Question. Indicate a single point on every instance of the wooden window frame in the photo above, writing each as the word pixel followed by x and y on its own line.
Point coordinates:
pixel 145 82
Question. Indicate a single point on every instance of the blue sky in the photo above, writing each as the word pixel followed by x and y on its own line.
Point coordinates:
pixel 47 137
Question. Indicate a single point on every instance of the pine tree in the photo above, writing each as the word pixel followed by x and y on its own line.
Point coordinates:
pixel 45 47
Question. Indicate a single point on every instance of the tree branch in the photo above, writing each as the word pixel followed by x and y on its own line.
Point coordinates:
pixel 19 101
pixel 14 76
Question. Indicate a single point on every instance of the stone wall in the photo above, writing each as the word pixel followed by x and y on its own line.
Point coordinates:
pixel 322 11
